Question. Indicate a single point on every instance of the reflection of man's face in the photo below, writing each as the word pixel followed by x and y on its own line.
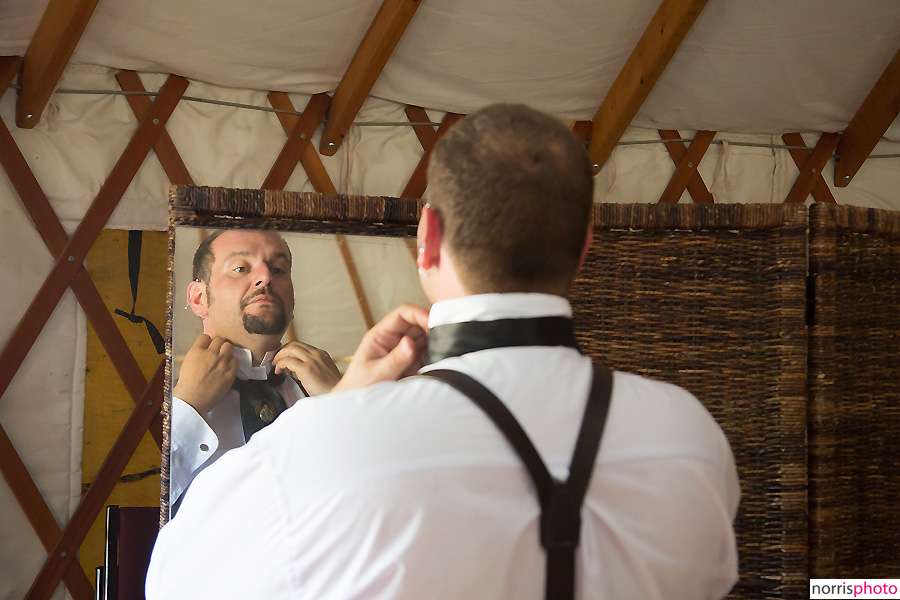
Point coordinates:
pixel 250 289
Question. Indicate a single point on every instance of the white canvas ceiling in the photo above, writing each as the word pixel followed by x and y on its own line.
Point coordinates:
pixel 766 66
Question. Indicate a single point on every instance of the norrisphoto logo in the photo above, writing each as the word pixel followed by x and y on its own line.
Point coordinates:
pixel 854 588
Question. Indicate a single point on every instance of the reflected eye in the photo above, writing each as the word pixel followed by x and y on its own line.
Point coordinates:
pixel 240 269
pixel 277 271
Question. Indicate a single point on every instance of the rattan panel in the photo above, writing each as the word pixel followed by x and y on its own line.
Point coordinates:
pixel 855 392
pixel 713 298
pixel 293 211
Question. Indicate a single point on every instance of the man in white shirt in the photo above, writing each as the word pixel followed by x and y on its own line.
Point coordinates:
pixel 405 489
pixel 243 293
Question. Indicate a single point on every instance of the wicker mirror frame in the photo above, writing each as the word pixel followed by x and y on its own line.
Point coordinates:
pixel 210 207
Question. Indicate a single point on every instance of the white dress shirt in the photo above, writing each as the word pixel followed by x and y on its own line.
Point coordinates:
pixel 407 490
pixel 197 442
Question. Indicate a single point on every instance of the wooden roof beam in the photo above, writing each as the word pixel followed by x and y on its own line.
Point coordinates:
pixel 47 55
pixel 651 55
pixel 372 54
pixel 868 125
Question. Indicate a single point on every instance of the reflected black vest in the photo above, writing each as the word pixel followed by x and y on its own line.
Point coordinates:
pixel 260 402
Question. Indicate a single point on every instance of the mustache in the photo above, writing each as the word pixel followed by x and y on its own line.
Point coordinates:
pixel 265 291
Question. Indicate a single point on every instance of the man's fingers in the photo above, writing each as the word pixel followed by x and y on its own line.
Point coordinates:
pixel 202 342
pixel 220 346
pixel 215 344
pixel 304 363
pixel 301 351
pixel 232 367
pixel 281 360
pixel 398 361
pixel 295 368
pixel 406 318
pixel 281 364
pixel 404 355
pixel 317 376
pixel 298 344
pixel 415 315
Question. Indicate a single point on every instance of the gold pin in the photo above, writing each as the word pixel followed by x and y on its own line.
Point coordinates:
pixel 265 413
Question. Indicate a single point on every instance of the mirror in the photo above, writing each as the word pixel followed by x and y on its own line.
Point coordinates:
pixel 343 284
pixel 353 260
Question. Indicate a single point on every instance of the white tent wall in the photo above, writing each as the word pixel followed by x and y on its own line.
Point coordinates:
pixel 42 410
pixel 81 135
pixel 750 70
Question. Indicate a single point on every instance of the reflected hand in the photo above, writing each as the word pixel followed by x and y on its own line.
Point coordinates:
pixel 207 372
pixel 391 350
pixel 309 365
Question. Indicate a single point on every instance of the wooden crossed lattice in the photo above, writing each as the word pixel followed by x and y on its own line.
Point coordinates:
pixel 686 160
pixel 428 137
pixel 62 544
pixel 69 271
pixel 810 180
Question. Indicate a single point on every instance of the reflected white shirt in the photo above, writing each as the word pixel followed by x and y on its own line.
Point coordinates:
pixel 197 442
pixel 406 490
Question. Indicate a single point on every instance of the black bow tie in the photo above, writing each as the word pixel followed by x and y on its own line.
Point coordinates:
pixel 456 339
pixel 260 402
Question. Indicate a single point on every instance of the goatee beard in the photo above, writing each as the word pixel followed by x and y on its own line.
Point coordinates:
pixel 271 326
pixel 264 326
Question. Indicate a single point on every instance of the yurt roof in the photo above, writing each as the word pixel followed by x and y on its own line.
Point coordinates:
pixel 761 67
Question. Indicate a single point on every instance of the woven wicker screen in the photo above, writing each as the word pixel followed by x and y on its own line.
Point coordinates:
pixel 713 298
pixel 855 392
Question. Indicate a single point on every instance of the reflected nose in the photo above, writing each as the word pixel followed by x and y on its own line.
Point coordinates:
pixel 261 276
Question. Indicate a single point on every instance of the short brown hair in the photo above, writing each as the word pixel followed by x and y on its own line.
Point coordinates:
pixel 204 257
pixel 513 188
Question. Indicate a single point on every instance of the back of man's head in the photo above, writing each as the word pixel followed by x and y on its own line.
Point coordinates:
pixel 513 188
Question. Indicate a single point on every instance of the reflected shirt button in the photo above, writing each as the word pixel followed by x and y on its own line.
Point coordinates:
pixel 204 447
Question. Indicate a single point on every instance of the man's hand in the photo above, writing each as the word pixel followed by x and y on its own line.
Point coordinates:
pixel 389 351
pixel 207 372
pixel 309 365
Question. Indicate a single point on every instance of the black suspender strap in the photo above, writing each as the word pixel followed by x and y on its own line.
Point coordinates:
pixel 506 422
pixel 560 502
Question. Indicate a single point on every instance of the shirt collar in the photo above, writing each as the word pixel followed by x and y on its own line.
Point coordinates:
pixel 489 307
pixel 246 370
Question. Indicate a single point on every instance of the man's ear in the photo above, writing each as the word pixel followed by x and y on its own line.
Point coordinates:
pixel 428 239
pixel 588 240
pixel 197 298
